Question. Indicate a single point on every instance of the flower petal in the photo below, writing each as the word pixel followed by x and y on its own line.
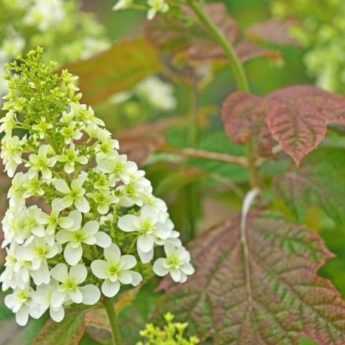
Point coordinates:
pixel 125 277
pixel 103 240
pixel 91 227
pixel 78 273
pixel 91 294
pixel 61 186
pixel 127 262
pixel 22 316
pixel 82 205
pixel 112 253
pixel 110 289
pixel 176 275
pixel 145 243
pixel 128 223
pixel 99 269
pixel 64 236
pixel 60 272
pixel 160 267
pixel 72 254
pixel 76 296
pixel 136 278
pixel 57 314
pixel 145 257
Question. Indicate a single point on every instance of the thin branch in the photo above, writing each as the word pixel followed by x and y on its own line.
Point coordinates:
pixel 215 156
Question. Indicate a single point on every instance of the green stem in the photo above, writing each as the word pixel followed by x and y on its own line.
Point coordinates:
pixel 113 320
pixel 238 70
pixel 219 37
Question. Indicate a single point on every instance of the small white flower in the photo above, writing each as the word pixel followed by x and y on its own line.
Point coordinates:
pixel 20 302
pixel 155 7
pixel 48 296
pixel 177 264
pixel 73 194
pixel 8 122
pixel 56 220
pixel 158 93
pixel 22 223
pixel 43 161
pixel 75 237
pixel 150 226
pixel 70 158
pixel 115 270
pixel 116 165
pixel 103 200
pixel 17 270
pixel 11 153
pixel 135 191
pixel 45 14
pixel 70 281
pixel 38 252
pixel 24 185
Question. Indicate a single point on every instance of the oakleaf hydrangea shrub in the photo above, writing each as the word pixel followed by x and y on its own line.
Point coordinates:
pixel 82 221
pixel 173 333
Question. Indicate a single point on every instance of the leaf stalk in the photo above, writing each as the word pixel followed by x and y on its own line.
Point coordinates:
pixel 238 70
pixel 113 320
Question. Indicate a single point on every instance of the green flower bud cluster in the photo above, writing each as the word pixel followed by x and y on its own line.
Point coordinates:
pixel 173 333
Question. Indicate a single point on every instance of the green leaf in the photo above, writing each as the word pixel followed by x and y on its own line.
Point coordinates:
pixel 320 183
pixel 69 332
pixel 115 70
pixel 267 292
pixel 5 314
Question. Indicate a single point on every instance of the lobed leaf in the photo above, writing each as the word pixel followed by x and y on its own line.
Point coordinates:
pixel 196 45
pixel 270 294
pixel 296 117
pixel 243 116
pixel 117 69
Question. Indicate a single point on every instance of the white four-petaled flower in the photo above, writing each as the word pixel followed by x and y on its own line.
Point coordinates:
pixel 115 270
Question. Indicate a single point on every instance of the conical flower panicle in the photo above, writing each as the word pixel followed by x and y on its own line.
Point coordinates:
pixel 82 218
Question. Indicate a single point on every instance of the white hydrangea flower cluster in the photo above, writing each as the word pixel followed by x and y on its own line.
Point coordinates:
pixel 153 90
pixel 82 218
pixel 43 14
pixel 154 6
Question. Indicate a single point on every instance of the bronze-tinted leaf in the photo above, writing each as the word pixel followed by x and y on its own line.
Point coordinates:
pixel 274 31
pixel 191 42
pixel 69 332
pixel 244 115
pixel 270 296
pixel 298 117
pixel 117 69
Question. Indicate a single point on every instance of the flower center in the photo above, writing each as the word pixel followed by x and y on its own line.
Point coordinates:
pixel 174 262
pixel 70 285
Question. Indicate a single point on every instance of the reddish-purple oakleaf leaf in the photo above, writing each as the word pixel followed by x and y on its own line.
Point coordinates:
pixel 274 31
pixel 194 44
pixel 271 296
pixel 243 116
pixel 298 116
